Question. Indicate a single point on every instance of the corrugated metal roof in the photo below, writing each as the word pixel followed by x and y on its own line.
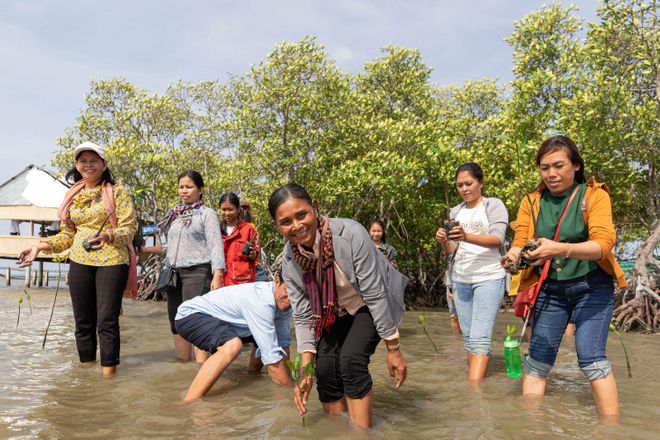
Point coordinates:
pixel 32 186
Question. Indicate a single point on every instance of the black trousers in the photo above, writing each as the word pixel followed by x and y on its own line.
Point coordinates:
pixel 96 294
pixel 191 282
pixel 343 355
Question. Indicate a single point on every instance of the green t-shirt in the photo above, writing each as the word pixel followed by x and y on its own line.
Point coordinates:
pixel 573 230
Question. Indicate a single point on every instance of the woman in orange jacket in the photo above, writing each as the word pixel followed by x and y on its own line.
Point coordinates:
pixel 240 243
pixel 582 269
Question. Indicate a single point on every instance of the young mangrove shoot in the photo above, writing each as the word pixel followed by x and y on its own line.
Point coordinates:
pixel 422 321
pixel 20 301
pixel 294 367
pixel 59 259
pixel 625 351
pixel 27 296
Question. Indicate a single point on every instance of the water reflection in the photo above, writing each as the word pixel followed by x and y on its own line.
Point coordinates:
pixel 44 394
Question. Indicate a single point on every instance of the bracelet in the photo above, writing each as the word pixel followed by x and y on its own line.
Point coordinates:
pixel 569 249
pixel 394 347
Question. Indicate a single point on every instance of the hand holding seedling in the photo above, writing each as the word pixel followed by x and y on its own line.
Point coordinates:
pixel 303 385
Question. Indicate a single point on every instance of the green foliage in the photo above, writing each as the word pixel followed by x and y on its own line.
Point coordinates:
pixel 385 143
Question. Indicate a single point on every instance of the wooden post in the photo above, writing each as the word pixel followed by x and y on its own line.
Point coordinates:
pixel 28 274
pixel 40 278
pixel 8 276
pixel 35 277
pixel 45 279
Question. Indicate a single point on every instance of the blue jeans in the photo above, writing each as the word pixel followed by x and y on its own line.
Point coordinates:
pixel 477 305
pixel 587 302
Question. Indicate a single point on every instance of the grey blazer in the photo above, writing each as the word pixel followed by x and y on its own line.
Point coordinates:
pixel 372 276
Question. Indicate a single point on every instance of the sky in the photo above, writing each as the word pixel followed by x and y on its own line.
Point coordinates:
pixel 50 50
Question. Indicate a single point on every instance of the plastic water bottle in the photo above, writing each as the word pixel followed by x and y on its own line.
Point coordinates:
pixel 512 358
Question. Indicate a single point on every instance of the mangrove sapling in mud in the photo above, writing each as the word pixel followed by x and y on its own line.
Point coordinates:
pixel 294 367
pixel 59 259
pixel 27 296
pixel 422 320
pixel 18 318
pixel 625 351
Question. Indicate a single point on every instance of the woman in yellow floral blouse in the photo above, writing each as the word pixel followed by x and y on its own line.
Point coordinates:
pixel 98 224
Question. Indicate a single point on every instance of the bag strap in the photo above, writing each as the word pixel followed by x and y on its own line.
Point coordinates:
pixel 546 266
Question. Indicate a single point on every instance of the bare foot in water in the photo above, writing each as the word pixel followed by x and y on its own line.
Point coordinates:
pixel 88 364
pixel 109 371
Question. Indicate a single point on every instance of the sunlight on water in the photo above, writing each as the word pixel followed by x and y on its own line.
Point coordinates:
pixel 44 394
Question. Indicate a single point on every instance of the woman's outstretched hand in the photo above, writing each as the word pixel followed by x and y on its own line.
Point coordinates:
pixel 27 256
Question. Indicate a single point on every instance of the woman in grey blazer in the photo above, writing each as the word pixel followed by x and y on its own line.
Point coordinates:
pixel 345 297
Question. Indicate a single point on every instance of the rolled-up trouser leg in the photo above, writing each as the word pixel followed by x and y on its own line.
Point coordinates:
pixel 356 351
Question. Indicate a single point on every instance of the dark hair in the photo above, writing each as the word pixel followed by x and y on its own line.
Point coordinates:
pixel 381 224
pixel 245 212
pixel 473 168
pixel 73 175
pixel 284 193
pixel 194 176
pixel 231 198
pixel 556 143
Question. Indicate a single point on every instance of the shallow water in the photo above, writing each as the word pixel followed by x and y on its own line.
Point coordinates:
pixel 45 394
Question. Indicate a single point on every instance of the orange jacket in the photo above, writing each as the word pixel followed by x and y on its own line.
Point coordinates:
pixel 239 268
pixel 597 213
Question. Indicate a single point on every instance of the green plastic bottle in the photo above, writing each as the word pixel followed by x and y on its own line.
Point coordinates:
pixel 512 358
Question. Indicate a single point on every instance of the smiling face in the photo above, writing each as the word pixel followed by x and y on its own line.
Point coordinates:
pixel 468 187
pixel 297 221
pixel 90 166
pixel 376 233
pixel 557 171
pixel 229 212
pixel 189 192
pixel 281 298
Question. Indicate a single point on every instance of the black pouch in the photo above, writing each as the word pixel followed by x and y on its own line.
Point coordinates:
pixel 166 278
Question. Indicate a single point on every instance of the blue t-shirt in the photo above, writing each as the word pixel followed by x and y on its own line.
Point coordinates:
pixel 250 310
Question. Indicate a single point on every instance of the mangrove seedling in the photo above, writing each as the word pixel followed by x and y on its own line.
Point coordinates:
pixel 510 330
pixel 59 259
pixel 294 367
pixel 422 321
pixel 20 301
pixel 625 352
pixel 27 296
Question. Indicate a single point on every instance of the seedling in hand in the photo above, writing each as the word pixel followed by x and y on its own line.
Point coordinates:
pixel 295 374
pixel 625 352
pixel 422 321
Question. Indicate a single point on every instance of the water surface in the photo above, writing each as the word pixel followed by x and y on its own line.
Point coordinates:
pixel 44 394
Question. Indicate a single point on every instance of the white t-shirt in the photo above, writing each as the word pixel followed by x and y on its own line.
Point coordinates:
pixel 475 263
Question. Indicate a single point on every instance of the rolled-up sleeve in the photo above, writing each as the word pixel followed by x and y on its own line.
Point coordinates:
pixel 261 322
pixel 599 222
pixel 214 240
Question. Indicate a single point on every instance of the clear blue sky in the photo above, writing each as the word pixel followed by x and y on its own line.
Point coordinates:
pixel 51 49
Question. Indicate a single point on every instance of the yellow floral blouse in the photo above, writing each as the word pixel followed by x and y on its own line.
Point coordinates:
pixel 87 214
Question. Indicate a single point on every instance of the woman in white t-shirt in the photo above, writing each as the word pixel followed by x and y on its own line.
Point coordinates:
pixel 476 276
